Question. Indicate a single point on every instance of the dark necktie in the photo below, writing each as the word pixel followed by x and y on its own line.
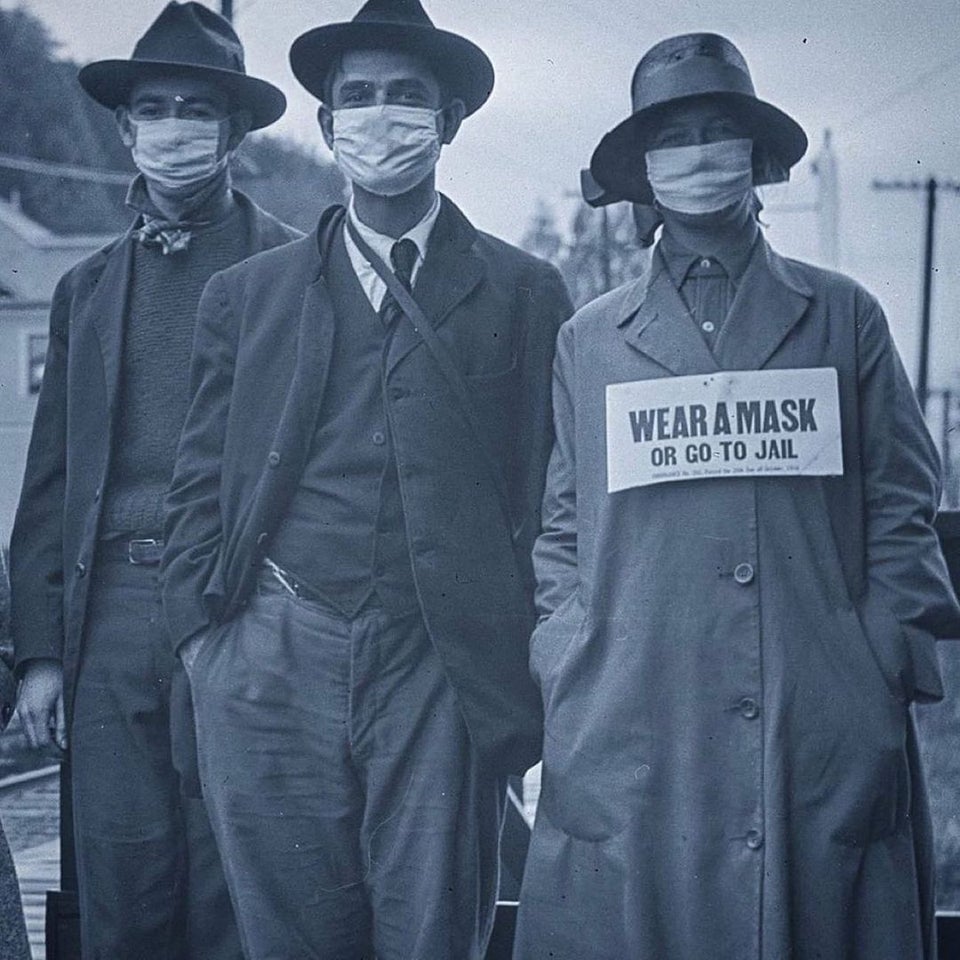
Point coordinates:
pixel 403 257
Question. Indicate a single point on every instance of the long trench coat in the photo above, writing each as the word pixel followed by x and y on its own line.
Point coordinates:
pixel 727 665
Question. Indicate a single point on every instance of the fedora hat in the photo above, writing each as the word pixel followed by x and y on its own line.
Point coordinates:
pixel 679 69
pixel 187 39
pixel 461 66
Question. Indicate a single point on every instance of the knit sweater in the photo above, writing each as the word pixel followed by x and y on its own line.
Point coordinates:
pixel 154 380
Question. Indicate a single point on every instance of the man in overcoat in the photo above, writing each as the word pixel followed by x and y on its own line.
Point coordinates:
pixel 739 582
pixel 97 665
pixel 356 497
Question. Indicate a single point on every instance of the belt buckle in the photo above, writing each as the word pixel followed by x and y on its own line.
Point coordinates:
pixel 132 545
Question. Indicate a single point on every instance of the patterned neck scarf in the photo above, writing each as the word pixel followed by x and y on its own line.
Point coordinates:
pixel 209 204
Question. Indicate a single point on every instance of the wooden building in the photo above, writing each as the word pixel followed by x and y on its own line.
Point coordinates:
pixel 32 259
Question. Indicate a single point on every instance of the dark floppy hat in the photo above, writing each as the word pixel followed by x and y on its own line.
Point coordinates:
pixel 462 67
pixel 187 39
pixel 682 68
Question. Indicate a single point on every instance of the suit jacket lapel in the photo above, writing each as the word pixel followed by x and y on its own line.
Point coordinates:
pixel 314 349
pixel 107 307
pixel 769 303
pixel 655 320
pixel 451 271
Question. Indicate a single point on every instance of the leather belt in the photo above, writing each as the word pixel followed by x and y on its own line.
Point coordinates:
pixel 141 553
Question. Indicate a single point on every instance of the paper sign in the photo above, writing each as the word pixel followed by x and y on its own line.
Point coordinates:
pixel 735 423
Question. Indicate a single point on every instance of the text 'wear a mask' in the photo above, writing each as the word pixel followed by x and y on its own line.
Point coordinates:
pixel 386 149
pixel 701 178
pixel 177 153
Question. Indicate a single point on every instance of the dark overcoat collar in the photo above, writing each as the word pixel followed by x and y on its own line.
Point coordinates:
pixel 771 299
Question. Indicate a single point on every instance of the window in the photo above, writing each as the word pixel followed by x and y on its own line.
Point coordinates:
pixel 36 358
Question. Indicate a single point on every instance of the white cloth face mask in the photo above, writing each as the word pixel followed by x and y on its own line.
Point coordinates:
pixel 177 153
pixel 386 149
pixel 703 177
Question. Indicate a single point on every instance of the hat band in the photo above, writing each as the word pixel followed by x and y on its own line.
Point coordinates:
pixel 691 77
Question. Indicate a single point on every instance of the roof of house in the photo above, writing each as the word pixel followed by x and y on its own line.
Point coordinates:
pixel 33 258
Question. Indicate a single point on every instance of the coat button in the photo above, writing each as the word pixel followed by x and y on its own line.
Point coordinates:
pixel 749 708
pixel 379 438
pixel 96 495
pixel 754 839
pixel 262 538
pixel 743 573
pixel 81 569
pixel 273 458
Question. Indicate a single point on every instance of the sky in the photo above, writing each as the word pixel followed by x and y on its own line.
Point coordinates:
pixel 882 75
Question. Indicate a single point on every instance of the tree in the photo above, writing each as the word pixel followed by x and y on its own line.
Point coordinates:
pixel 45 115
pixel 600 250
pixel 542 237
pixel 287 179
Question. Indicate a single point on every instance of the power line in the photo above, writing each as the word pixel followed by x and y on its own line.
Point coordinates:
pixel 66 170
pixel 854 120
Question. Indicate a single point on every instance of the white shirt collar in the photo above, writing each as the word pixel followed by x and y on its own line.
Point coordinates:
pixel 381 245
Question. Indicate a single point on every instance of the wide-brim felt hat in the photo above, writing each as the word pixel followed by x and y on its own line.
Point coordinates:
pixel 462 68
pixel 190 40
pixel 680 69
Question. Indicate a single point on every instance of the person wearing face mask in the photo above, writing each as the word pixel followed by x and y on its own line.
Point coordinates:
pixel 739 583
pixel 347 568
pixel 98 669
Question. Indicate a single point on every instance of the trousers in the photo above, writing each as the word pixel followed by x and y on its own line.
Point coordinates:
pixel 354 818
pixel 151 886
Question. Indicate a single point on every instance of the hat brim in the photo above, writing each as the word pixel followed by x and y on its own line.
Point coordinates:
pixel 619 163
pixel 110 82
pixel 463 69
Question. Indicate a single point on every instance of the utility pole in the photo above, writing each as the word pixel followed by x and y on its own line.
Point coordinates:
pixel 226 9
pixel 826 206
pixel 946 454
pixel 605 251
pixel 930 187
pixel 828 202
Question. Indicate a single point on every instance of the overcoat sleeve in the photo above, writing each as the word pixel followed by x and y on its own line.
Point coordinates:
pixel 555 553
pixel 36 542
pixel 549 307
pixel 908 587
pixel 193 529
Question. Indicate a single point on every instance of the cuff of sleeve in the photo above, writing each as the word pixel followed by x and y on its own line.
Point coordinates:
pixel 186 616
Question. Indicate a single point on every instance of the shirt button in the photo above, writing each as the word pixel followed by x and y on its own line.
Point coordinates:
pixel 706 262
pixel 273 458
pixel 754 839
pixel 262 538
pixel 379 438
pixel 743 573
pixel 708 326
pixel 749 708
pixel 96 495
pixel 81 569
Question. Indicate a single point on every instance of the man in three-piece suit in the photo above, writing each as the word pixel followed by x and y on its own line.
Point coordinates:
pixel 96 663
pixel 347 568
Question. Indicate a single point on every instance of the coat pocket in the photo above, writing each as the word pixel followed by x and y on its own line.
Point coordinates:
pixel 552 637
pixel 905 656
